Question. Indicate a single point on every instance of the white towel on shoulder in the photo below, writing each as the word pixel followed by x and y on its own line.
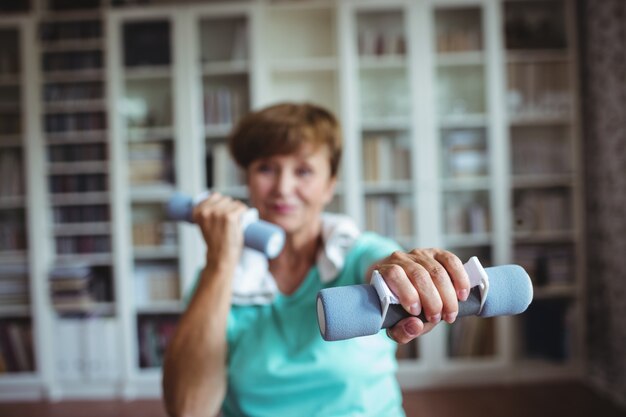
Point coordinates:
pixel 253 284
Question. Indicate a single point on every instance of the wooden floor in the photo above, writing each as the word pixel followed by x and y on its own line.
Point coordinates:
pixel 537 400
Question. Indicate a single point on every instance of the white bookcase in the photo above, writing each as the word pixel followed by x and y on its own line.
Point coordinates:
pixel 20 329
pixel 460 127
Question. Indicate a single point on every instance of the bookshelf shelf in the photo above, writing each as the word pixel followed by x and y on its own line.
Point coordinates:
pixel 450 121
pixel 97 309
pixel 96 197
pixel 152 133
pixel 71 45
pixel 70 15
pixel 225 68
pixel 10 141
pixel 304 65
pixel 88 167
pixel 468 240
pixel 9 80
pixel 536 56
pixel 12 202
pixel 153 193
pixel 460 59
pixel 74 75
pixel 367 62
pixel 103 258
pixel 164 307
pixel 12 379
pixel 217 131
pixel 542 181
pixel 63 106
pixel 387 187
pixel 10 108
pixel 466 184
pixel 13 256
pixel 385 123
pixel 86 228
pixel 89 136
pixel 21 311
pixel 540 119
pixel 545 236
pixel 148 72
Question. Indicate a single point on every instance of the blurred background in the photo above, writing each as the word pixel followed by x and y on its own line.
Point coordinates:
pixel 493 128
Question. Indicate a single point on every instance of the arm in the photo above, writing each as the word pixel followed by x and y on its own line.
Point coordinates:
pixel 194 369
pixel 432 280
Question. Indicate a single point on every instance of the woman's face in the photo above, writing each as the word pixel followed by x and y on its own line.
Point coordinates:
pixel 292 190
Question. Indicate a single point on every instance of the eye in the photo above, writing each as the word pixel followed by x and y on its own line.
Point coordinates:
pixel 263 167
pixel 304 171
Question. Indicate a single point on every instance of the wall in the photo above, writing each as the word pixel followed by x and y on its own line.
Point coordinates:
pixel 603 64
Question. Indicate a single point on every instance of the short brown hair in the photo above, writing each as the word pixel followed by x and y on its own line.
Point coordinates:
pixel 281 129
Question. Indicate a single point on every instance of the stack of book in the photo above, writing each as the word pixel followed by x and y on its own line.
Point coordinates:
pixel 155 282
pixel 385 159
pixel 150 163
pixel 70 288
pixel 13 285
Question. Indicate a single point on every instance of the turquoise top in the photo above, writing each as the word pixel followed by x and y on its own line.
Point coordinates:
pixel 279 365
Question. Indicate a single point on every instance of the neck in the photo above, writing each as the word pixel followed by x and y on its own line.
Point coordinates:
pixel 302 243
pixel 297 257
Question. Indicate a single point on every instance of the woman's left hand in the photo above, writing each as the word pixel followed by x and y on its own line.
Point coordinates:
pixel 432 280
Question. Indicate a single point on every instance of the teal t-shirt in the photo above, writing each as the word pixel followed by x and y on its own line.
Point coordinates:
pixel 279 365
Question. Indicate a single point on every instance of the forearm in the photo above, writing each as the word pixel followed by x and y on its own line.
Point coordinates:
pixel 194 370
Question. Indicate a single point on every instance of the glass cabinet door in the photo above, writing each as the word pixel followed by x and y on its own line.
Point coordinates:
pixel 16 341
pixel 75 128
pixel 385 131
pixel 465 172
pixel 225 70
pixel 540 66
pixel 304 66
pixel 151 144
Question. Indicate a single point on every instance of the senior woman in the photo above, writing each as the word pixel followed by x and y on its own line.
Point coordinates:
pixel 248 343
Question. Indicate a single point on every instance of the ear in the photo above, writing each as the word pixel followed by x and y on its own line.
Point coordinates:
pixel 330 190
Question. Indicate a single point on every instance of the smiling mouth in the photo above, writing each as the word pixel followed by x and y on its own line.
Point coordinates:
pixel 283 208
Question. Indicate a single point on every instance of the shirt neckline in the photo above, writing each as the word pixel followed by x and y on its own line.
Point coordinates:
pixel 310 278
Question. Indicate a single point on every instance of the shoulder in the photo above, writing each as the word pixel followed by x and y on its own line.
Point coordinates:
pixel 372 244
pixel 367 249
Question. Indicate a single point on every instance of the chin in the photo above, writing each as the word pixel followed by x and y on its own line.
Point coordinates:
pixel 288 225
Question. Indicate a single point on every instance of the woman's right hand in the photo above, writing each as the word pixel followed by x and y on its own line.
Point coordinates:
pixel 219 218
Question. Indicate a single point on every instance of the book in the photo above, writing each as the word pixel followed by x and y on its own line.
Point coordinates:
pixel 16 353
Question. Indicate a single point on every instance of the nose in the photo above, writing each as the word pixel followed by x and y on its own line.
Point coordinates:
pixel 285 182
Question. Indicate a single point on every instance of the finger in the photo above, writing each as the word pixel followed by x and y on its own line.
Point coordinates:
pixel 236 209
pixel 457 272
pixel 421 279
pixel 214 201
pixel 398 282
pixel 427 328
pixel 406 330
pixel 203 209
pixel 449 307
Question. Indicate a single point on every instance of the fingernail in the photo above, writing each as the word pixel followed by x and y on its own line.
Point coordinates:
pixel 434 318
pixel 416 309
pixel 411 329
pixel 450 317
pixel 462 294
